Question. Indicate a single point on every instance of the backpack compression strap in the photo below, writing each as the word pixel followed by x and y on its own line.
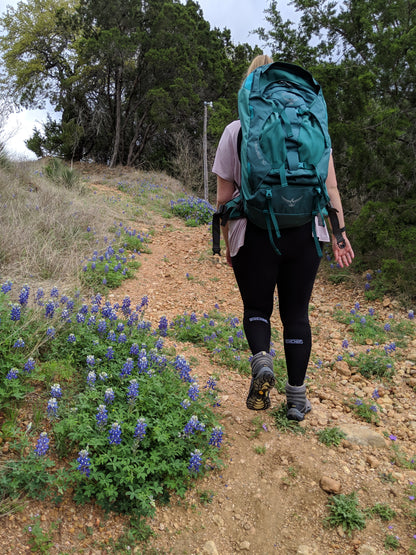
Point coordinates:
pixel 336 230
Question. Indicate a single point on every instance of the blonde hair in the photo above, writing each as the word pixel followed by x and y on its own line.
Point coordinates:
pixel 261 60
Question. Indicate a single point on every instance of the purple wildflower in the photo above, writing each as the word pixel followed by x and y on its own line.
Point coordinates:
pixel 140 430
pixel 109 396
pixel 114 436
pixel 42 445
pixel 216 436
pixel 84 462
pixel 56 391
pixel 195 461
pixel 101 416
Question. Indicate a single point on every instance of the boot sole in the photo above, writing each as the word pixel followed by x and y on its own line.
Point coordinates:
pixel 258 396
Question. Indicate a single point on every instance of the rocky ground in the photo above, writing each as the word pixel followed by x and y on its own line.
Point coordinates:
pixel 271 496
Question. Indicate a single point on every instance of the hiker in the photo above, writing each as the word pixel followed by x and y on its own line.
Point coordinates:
pixel 258 269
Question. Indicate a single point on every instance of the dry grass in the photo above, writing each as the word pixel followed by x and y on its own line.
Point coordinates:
pixel 44 237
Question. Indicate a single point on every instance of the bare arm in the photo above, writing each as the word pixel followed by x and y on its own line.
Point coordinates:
pixel 343 256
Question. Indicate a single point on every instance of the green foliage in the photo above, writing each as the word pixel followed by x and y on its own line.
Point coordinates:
pixel 344 512
pixel 385 236
pixel 60 174
pixel 391 542
pixel 331 436
pixel 126 467
pixel 366 411
pixel 283 424
pixel 194 211
pixel 382 510
pixel 40 541
pixel 222 335
pixel 108 113
pixel 373 364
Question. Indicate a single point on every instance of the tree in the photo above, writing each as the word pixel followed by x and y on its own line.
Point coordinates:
pixel 127 76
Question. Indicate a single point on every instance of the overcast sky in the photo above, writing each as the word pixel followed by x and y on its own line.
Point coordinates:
pixel 240 16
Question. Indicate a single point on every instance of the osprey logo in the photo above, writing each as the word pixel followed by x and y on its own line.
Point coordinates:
pixel 292 201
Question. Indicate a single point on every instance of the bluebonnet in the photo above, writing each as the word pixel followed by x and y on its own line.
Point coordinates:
pixel 127 368
pixel 193 391
pixel 84 462
pixel 101 416
pixel 125 306
pixel 387 327
pixel 15 313
pixel 50 332
pixel 95 308
pixel 134 349
pixel 84 309
pixel 91 377
pixel 163 326
pixel 140 430
pixel 80 318
pixel 90 360
pixel 195 461
pixel 114 436
pixel 102 326
pixel 24 295
pixel 56 391
pixel 111 336
pixel 186 403
pixel 12 374
pixel 102 376
pixel 411 315
pixel 19 343
pixel 91 321
pixel 6 287
pixel 159 343
pixel 52 408
pixel 122 338
pixel 65 315
pixel 192 426
pixel 371 311
pixel 142 363
pixel 345 344
pixel 193 318
pixel 216 436
pixel 42 445
pixel 182 366
pixel 120 327
pixel 109 396
pixel 54 292
pixel 376 394
pixel 210 385
pixel 132 391
pixel 49 309
pixel 71 338
pixel 110 353
pixel 39 295
pixel 29 365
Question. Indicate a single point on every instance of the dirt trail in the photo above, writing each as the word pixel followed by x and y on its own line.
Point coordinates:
pixel 267 499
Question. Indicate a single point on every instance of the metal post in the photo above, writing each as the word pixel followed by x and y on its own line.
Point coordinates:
pixel 205 152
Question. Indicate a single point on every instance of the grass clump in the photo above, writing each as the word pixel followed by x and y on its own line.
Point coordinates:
pixel 282 422
pixel 344 511
pixel 331 436
pixel 58 172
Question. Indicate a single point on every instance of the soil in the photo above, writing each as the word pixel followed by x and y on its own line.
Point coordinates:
pixel 270 496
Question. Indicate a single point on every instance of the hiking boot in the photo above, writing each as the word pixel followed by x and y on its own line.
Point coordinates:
pixel 262 381
pixel 297 403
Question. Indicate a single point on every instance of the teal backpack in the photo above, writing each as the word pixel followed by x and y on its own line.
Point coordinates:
pixel 285 150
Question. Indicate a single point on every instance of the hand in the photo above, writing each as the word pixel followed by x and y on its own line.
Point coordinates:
pixel 344 256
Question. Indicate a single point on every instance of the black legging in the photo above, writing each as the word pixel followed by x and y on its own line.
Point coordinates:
pixel 258 269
